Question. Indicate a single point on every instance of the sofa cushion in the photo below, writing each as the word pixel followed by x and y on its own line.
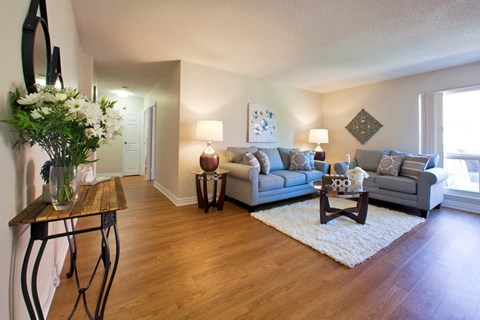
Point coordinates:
pixel 251 160
pixel 285 155
pixel 270 182
pixel 368 160
pixel 235 154
pixel 292 178
pixel 398 184
pixel 390 165
pixel 300 160
pixel 274 158
pixel 311 175
pixel 413 166
pixel 264 161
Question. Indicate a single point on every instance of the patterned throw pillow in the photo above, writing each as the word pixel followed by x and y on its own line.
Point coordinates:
pixel 264 162
pixel 300 160
pixel 390 165
pixel 251 160
pixel 312 159
pixel 413 166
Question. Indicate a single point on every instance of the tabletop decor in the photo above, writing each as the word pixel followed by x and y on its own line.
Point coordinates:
pixel 209 130
pixel 356 175
pixel 68 127
pixel 318 136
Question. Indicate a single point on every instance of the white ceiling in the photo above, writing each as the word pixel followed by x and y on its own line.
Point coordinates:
pixel 318 45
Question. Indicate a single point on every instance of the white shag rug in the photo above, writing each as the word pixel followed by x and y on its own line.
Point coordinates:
pixel 342 239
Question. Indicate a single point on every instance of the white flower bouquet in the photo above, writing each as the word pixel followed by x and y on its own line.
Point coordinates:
pixel 68 127
pixel 65 124
pixel 356 173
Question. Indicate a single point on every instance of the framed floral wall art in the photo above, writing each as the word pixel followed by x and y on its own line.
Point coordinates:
pixel 262 126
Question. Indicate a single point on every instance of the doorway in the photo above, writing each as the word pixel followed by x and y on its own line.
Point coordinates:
pixel 131 142
pixel 149 141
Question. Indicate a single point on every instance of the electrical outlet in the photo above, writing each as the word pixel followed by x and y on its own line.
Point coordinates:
pixel 56 281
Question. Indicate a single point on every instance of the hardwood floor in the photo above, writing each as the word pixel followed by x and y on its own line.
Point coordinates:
pixel 179 263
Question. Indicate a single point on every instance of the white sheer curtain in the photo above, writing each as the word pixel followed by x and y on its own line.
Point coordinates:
pixel 431 122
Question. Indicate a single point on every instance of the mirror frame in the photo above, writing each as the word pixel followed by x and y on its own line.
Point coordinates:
pixel 30 26
pixel 55 69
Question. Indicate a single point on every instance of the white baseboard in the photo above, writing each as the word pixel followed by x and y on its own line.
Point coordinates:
pixel 461 206
pixel 109 174
pixel 179 202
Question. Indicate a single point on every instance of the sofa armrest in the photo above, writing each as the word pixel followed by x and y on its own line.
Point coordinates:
pixel 432 176
pixel 241 171
pixel 341 167
pixel 430 188
pixel 321 166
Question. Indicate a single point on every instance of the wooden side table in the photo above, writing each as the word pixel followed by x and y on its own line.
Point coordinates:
pixel 103 200
pixel 202 195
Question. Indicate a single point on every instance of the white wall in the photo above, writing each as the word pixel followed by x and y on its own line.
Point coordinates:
pixel 191 92
pixel 394 103
pixel 21 182
pixel 110 155
pixel 213 94
pixel 167 95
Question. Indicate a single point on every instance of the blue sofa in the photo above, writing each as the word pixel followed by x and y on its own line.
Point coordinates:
pixel 251 187
pixel 424 192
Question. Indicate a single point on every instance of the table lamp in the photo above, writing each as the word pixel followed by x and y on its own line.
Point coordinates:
pixel 318 136
pixel 210 131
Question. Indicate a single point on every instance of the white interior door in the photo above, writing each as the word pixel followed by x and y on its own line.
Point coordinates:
pixel 131 142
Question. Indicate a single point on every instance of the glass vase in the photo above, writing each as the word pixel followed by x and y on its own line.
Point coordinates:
pixel 64 186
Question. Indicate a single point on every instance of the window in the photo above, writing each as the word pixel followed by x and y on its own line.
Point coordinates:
pixel 461 140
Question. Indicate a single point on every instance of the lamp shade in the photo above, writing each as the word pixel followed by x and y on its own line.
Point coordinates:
pixel 318 136
pixel 209 130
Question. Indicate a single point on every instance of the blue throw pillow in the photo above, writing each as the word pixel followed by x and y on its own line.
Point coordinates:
pixel 285 155
pixel 274 157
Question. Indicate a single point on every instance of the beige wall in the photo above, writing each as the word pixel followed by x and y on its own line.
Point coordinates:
pixel 394 103
pixel 19 171
pixel 110 155
pixel 167 95
pixel 212 94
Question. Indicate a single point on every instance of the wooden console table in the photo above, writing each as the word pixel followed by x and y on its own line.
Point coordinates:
pixel 104 200
pixel 202 197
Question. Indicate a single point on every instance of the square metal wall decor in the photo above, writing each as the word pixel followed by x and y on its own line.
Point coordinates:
pixel 363 126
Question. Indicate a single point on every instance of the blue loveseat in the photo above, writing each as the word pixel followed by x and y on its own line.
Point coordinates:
pixel 252 187
pixel 424 190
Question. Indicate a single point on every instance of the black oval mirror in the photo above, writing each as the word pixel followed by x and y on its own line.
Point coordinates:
pixel 36 48
pixel 55 72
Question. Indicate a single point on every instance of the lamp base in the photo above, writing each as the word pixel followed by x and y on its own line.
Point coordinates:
pixel 320 155
pixel 209 161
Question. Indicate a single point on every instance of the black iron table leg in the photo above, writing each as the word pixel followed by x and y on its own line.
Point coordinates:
pixel 38 231
pixel 25 293
pixel 72 248
pixel 114 270
pixel 101 200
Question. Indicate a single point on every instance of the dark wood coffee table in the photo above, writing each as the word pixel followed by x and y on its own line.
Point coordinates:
pixel 358 213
